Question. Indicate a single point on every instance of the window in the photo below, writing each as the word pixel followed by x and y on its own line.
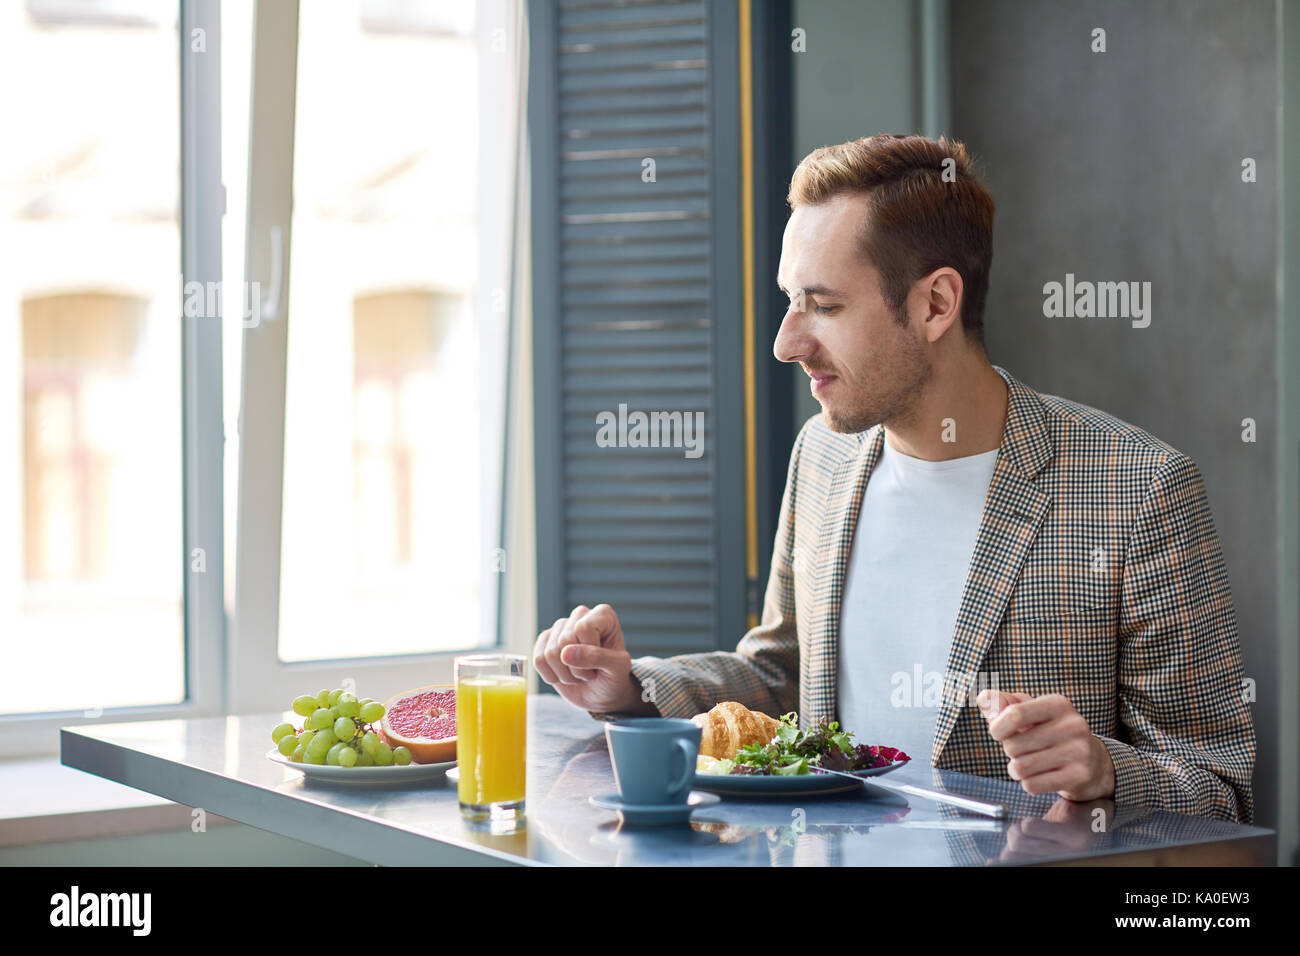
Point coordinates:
pixel 91 566
pixel 382 422
pixel 398 523
pixel 396 249
pixel 360 349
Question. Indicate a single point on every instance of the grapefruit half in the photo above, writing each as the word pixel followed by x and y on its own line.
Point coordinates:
pixel 424 721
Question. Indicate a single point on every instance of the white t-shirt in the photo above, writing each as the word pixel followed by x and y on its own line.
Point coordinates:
pixel 911 550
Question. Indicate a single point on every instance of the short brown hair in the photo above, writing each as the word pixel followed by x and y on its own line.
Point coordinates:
pixel 918 222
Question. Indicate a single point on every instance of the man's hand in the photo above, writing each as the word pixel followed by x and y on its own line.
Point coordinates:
pixel 584 659
pixel 1052 748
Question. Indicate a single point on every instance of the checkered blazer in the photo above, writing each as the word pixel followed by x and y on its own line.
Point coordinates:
pixel 1096 574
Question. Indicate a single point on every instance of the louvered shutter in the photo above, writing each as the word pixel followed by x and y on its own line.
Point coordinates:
pixel 636 303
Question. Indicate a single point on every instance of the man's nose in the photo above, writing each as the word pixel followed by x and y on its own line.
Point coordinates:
pixel 792 344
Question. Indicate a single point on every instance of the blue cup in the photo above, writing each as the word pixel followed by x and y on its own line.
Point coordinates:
pixel 653 758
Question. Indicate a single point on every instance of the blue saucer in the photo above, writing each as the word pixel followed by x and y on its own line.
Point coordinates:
pixel 655 815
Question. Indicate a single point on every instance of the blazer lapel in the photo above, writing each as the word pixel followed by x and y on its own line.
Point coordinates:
pixel 1013 512
pixel 835 544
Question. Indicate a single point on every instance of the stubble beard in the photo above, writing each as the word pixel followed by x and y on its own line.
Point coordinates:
pixel 907 375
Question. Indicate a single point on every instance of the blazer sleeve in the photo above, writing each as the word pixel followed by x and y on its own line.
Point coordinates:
pixel 763 671
pixel 1191 738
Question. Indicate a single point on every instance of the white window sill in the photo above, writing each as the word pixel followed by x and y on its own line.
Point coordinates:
pixel 42 801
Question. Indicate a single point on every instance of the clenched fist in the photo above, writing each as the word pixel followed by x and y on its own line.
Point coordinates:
pixel 583 657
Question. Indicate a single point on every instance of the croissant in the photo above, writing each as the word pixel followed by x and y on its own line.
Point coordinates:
pixel 730 726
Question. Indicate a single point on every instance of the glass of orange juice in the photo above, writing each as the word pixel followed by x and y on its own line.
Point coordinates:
pixel 491 733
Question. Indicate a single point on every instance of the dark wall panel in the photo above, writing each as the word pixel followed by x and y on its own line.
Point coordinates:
pixel 1126 165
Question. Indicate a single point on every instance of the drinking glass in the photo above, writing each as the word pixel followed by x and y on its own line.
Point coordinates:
pixel 491 733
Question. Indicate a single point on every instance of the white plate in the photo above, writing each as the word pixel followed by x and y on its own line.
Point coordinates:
pixel 366 776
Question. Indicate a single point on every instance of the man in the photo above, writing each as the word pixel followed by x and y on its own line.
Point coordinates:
pixel 945 530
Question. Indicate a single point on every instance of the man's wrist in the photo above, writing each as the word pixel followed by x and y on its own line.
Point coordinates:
pixel 641 702
pixel 635 703
pixel 1106 775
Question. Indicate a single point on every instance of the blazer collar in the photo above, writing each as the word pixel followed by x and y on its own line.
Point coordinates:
pixel 835 543
pixel 1013 513
pixel 1026 441
pixel 1014 504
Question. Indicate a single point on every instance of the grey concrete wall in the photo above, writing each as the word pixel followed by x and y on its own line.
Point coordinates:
pixel 1125 165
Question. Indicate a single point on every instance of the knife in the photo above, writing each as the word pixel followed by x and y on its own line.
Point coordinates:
pixel 996 810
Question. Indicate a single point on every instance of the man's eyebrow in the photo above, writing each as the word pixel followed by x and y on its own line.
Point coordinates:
pixel 816 290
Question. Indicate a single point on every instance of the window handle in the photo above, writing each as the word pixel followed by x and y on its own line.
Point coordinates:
pixel 271 304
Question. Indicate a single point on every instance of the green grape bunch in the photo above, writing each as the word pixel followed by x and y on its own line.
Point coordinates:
pixel 338 730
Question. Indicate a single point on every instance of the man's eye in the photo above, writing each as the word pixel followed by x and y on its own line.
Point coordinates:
pixel 826 309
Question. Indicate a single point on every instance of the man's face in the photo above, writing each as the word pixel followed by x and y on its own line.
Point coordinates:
pixel 865 367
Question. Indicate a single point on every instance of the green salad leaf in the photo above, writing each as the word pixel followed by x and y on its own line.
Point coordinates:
pixel 794 752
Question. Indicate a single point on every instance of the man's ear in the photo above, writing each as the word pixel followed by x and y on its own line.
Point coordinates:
pixel 942 291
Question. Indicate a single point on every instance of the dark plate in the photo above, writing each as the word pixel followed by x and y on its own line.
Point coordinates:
pixel 745 785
